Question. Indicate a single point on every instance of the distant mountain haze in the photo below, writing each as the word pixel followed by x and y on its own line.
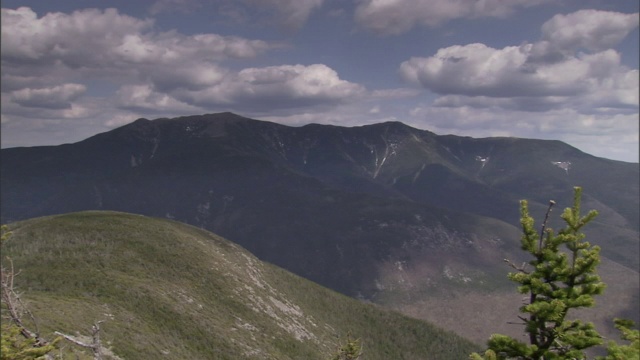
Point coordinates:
pixel 385 212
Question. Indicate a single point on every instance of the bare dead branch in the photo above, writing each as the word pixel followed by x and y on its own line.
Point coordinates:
pixel 544 224
pixel 15 305
pixel 95 346
pixel 73 340
pixel 520 268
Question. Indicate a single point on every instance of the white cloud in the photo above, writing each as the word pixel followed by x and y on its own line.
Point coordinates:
pixel 97 39
pixel 157 71
pixel 48 104
pixel 514 77
pixel 144 98
pixel 584 30
pixel 57 97
pixel 77 39
pixel 196 76
pixel 473 69
pixel 393 17
pixel 588 29
pixel 477 69
pixel 41 55
pixel 277 87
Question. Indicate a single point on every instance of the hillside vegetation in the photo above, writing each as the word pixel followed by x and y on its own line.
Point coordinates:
pixel 169 290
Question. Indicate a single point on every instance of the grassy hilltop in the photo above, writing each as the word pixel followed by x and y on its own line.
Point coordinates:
pixel 169 290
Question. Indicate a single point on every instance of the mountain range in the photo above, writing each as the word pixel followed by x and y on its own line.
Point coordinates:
pixel 386 213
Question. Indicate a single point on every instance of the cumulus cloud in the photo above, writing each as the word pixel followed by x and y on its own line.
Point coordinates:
pixel 99 39
pixel 479 70
pixel 56 97
pixel 41 54
pixel 144 98
pixel 166 71
pixel 195 76
pixel 589 30
pixel 41 107
pixel 514 77
pixel 76 39
pixel 393 17
pixel 284 86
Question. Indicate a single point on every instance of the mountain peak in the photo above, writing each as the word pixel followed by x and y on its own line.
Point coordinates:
pixel 206 125
pixel 223 116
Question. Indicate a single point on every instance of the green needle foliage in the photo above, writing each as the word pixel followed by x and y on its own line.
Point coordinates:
pixel 624 352
pixel 561 276
pixel 16 347
pixel 350 350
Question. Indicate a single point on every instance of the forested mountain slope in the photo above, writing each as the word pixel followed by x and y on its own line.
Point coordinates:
pixel 384 212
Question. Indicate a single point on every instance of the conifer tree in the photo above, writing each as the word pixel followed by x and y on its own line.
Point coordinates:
pixel 561 276
pixel 350 350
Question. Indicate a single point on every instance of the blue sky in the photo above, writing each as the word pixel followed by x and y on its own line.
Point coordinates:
pixel 545 69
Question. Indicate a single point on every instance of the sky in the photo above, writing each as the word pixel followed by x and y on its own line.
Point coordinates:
pixel 544 69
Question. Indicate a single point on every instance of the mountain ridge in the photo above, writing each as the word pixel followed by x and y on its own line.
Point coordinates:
pixel 383 212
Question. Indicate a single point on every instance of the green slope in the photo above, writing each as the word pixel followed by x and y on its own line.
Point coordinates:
pixel 170 290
